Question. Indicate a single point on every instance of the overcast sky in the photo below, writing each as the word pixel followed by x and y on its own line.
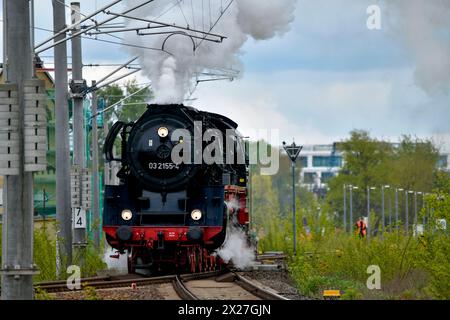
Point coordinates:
pixel 328 75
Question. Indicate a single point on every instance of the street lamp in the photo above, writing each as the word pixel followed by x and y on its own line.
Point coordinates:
pixel 415 207
pixel 293 151
pixel 406 211
pixel 351 206
pixel 424 221
pixel 369 227
pixel 396 206
pixel 382 205
pixel 345 208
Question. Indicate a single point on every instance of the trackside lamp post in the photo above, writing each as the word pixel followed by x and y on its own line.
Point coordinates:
pixel 293 151
pixel 369 227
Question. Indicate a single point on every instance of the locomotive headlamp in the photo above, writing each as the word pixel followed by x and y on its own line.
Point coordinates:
pixel 196 215
pixel 163 132
pixel 127 215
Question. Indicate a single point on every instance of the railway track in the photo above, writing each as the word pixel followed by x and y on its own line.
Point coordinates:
pixel 203 286
pixel 112 282
pixel 235 287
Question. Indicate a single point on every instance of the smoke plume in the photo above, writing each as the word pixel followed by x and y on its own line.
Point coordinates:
pixel 424 26
pixel 172 71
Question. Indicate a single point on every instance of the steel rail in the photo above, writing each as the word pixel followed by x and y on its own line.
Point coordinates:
pixel 257 290
pixel 183 292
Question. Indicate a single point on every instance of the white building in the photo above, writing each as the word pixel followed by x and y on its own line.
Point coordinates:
pixel 319 164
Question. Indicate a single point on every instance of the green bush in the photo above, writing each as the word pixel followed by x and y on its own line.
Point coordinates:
pixel 411 267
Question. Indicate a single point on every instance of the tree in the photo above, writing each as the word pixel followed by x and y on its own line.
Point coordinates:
pixel 129 110
pixel 368 162
pixel 413 164
pixel 133 107
pixel 365 165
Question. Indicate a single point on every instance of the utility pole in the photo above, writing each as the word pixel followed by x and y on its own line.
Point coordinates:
pixel 78 88
pixel 369 226
pixel 390 211
pixel 383 212
pixel 293 151
pixel 345 208
pixel 397 218
pixel 351 210
pixel 96 191
pixel 415 211
pixel 368 214
pixel 351 207
pixel 22 151
pixel 63 208
pixel 396 208
pixel 406 212
pixel 382 208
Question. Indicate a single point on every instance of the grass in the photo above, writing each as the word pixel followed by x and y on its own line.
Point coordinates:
pixel 411 267
pixel 45 257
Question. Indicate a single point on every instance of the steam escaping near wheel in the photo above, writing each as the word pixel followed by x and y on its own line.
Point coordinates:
pixel 236 249
pixel 117 264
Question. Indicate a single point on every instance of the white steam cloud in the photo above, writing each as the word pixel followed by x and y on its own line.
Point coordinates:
pixel 424 26
pixel 236 249
pixel 172 72
pixel 119 265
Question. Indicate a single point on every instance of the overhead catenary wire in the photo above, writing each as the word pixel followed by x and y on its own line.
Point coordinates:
pixel 115 80
pixel 73 35
pixel 182 12
pixel 116 70
pixel 76 10
pixel 119 102
pixel 106 41
pixel 162 24
pixel 217 21
pixel 74 25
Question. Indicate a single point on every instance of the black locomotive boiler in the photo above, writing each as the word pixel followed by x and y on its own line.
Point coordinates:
pixel 173 214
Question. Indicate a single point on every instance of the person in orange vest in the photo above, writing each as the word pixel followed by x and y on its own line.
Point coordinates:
pixel 362 228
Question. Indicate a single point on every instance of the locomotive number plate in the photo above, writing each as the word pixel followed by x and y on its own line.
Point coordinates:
pixel 163 166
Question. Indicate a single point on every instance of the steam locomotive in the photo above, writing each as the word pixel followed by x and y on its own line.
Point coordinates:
pixel 173 205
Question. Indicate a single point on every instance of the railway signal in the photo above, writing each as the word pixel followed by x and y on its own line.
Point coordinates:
pixel 293 152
